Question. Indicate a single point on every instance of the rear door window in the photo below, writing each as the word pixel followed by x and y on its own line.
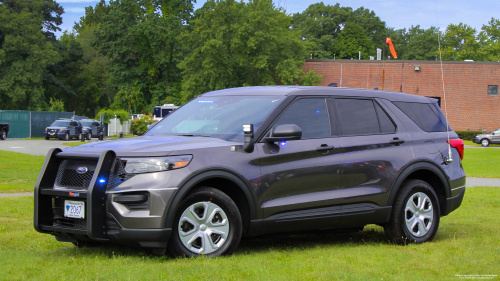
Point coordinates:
pixel 358 117
pixel 386 124
pixel 423 115
pixel 311 115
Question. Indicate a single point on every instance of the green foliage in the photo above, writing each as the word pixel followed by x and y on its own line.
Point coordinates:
pixel 141 38
pixel 56 105
pixel 467 135
pixel 122 115
pixel 310 79
pixel 26 50
pixel 321 25
pixel 141 124
pixel 351 40
pixel 236 44
pixel 415 43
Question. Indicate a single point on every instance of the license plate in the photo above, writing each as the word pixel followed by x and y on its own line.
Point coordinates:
pixel 74 209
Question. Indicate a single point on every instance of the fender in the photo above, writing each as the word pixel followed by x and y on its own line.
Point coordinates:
pixel 419 164
pixel 200 176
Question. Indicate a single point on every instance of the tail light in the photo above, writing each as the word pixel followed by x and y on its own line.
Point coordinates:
pixel 459 145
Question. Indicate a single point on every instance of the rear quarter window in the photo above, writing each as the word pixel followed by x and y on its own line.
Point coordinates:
pixel 425 115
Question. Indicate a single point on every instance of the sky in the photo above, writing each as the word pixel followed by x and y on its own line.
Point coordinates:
pixel 396 13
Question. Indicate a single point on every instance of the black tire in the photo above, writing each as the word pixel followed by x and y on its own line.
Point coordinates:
pixel 3 135
pixel 397 230
pixel 207 194
pixel 78 137
pixel 66 136
pixel 89 136
pixel 485 142
pixel 47 138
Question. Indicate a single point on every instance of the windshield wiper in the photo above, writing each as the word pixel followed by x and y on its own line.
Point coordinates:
pixel 194 136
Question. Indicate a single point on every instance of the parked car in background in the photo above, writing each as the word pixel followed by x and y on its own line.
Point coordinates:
pixel 92 128
pixel 486 139
pixel 256 160
pixel 4 130
pixel 64 130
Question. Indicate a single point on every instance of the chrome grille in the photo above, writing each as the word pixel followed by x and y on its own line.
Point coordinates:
pixel 68 177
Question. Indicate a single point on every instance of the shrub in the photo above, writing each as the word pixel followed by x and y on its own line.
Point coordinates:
pixel 141 124
pixel 122 115
pixel 467 135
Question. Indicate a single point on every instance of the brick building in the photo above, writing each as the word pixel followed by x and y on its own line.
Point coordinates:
pixel 471 87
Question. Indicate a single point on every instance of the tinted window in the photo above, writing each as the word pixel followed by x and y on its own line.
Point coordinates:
pixel 358 117
pixel 386 124
pixel 310 115
pixel 423 115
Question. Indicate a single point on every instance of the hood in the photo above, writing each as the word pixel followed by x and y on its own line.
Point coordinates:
pixel 56 128
pixel 149 145
pixel 484 135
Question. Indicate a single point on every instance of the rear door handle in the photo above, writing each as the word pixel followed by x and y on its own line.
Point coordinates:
pixel 325 147
pixel 396 141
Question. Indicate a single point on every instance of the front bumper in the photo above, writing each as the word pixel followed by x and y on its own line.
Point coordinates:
pixel 106 219
pixel 476 140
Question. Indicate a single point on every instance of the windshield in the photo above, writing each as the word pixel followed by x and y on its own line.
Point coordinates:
pixel 219 117
pixel 60 124
pixel 86 123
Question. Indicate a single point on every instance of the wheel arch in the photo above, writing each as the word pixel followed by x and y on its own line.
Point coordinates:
pixel 225 180
pixel 428 172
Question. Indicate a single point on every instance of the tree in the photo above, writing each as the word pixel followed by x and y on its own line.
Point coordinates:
pixel 141 40
pixel 415 43
pixel 460 43
pixel 351 40
pixel 321 24
pixel 238 44
pixel 26 49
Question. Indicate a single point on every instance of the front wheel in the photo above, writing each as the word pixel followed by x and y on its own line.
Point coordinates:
pixel 66 136
pixel 208 223
pixel 485 142
pixel 415 214
pixel 89 136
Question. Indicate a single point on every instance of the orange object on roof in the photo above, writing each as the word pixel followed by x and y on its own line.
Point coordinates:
pixel 391 47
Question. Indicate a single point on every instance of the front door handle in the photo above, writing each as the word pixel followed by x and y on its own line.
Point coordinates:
pixel 325 147
pixel 396 141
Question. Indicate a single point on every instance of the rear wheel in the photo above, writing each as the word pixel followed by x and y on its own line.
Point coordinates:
pixel 415 214
pixel 3 135
pixel 485 142
pixel 208 223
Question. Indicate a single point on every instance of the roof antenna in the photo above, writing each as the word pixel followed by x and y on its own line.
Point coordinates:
pixel 448 159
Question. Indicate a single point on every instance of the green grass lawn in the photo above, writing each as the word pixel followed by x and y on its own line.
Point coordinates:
pixel 467 243
pixel 482 163
pixel 18 171
pixel 468 142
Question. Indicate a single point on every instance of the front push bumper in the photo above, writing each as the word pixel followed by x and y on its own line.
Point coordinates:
pixel 98 224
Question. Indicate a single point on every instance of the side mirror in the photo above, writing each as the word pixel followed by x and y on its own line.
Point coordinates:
pixel 284 132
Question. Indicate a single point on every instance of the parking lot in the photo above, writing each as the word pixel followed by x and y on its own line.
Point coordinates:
pixel 34 147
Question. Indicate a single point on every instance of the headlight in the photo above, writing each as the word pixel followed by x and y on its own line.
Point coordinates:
pixel 155 164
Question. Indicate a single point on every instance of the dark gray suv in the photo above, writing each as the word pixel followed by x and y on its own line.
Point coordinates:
pixel 256 160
